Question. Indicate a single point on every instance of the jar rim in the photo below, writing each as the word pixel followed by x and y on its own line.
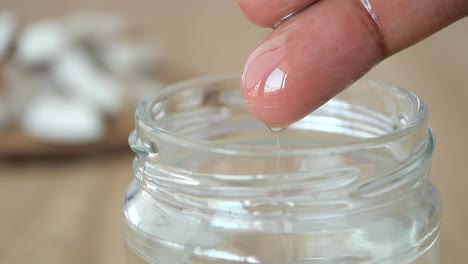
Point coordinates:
pixel 417 120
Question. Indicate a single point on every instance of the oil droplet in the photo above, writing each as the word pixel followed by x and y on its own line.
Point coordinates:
pixel 276 129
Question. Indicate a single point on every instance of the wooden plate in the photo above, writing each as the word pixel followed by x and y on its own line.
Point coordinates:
pixel 14 144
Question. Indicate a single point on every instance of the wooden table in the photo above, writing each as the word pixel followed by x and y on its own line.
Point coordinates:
pixel 69 211
pixel 63 212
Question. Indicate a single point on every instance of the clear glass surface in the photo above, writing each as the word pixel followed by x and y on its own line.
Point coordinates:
pixel 347 184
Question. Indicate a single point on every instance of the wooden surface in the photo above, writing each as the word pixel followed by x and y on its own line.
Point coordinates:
pixel 69 211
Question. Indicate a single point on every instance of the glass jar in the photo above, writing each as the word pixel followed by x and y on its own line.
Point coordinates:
pixel 349 183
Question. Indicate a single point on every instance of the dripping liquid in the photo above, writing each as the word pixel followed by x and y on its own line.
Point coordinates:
pixel 277 131
pixel 286 242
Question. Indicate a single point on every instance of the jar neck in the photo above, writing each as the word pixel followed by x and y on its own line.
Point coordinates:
pixel 323 184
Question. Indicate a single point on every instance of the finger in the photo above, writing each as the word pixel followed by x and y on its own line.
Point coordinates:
pixel 266 13
pixel 317 53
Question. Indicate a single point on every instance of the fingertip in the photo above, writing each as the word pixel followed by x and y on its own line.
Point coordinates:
pixel 304 63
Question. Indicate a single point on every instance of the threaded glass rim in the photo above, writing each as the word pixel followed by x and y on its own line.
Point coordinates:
pixel 417 120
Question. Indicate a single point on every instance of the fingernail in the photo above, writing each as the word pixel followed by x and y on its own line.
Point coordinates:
pixel 263 61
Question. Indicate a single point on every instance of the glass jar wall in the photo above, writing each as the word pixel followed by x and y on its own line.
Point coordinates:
pixel 349 183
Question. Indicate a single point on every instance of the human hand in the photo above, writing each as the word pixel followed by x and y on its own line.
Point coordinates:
pixel 327 45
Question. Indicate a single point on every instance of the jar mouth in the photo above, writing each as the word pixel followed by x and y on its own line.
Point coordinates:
pixel 404 115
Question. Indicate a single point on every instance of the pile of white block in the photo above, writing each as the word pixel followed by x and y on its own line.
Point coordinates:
pixel 62 80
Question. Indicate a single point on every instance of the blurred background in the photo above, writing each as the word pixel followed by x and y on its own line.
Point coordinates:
pixel 61 191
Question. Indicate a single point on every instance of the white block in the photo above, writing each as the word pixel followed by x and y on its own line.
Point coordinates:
pixel 131 58
pixel 41 43
pixel 77 76
pixel 57 120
